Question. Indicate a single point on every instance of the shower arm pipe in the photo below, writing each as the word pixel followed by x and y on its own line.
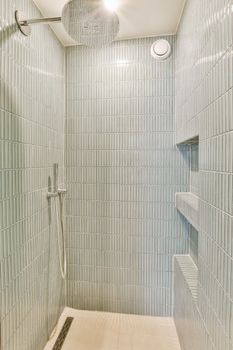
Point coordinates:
pixel 24 25
pixel 27 22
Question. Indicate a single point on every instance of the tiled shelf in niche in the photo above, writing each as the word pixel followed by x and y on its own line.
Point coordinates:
pixel 186 314
pixel 187 204
pixel 189 272
pixel 193 244
pixel 189 141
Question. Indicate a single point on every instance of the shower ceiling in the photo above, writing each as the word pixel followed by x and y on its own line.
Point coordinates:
pixel 138 18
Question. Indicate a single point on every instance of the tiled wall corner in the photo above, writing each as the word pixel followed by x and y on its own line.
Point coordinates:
pixel 204 88
pixel 123 170
pixel 31 139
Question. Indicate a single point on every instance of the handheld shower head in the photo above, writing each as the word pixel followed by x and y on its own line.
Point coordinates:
pixel 87 21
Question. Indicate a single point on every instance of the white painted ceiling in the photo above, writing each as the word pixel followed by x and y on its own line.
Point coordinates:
pixel 138 18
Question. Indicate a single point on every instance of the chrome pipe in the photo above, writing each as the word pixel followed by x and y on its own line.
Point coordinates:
pixel 24 24
pixel 55 177
pixel 27 22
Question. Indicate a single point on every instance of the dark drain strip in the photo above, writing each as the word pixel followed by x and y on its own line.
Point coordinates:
pixel 62 335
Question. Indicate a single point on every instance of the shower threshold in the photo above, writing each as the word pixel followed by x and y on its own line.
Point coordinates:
pixel 90 330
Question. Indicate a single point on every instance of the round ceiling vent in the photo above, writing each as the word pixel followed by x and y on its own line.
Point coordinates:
pixel 161 49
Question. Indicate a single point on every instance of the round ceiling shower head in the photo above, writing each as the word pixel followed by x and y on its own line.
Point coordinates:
pixel 90 23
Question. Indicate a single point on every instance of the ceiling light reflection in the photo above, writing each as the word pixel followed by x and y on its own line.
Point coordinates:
pixel 111 4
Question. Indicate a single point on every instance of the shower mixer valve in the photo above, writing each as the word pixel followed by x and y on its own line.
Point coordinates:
pixel 56 190
pixel 61 191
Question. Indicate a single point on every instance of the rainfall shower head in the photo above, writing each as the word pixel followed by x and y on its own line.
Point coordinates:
pixel 88 22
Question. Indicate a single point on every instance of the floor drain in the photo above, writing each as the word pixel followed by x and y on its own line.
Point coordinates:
pixel 62 336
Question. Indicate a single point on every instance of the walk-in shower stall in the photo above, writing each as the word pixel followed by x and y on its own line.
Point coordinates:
pixel 116 175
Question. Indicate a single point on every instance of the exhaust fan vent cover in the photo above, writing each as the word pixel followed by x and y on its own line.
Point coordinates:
pixel 161 49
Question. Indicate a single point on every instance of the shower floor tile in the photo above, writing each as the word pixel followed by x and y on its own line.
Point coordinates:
pixel 107 331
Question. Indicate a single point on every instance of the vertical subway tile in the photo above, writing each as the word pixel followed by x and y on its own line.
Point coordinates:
pixel 31 139
pixel 204 107
pixel 122 172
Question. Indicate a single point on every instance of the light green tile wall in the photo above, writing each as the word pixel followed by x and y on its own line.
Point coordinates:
pixel 31 139
pixel 204 88
pixel 123 170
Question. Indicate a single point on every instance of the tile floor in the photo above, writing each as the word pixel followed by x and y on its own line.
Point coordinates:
pixel 107 331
